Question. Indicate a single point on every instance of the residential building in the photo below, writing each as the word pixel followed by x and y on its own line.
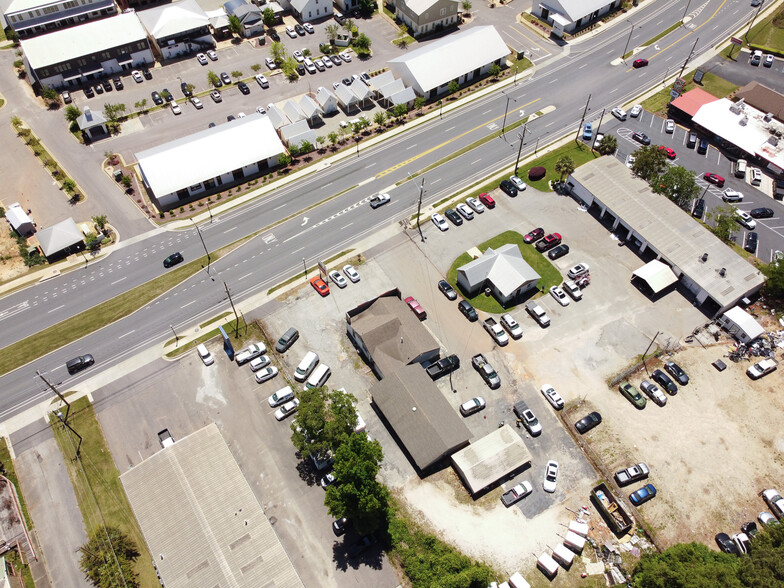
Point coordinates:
pixel 569 16
pixel 60 240
pixel 250 17
pixel 29 18
pixel 308 10
pixel 503 271
pixel 427 16
pixel 178 29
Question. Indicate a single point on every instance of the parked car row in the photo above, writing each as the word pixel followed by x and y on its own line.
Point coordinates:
pixel 652 390
pixel 463 210
pixel 320 286
pixel 742 543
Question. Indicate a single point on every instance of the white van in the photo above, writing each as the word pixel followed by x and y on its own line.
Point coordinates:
pixel 739 169
pixel 306 366
pixel 319 376
pixel 205 355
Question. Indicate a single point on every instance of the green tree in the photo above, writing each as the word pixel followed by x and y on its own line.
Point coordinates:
pixel 235 25
pixel 677 183
pixel 305 147
pixel 268 16
pixel 774 286
pixel 50 95
pixel 333 138
pixel 108 557
pixel 236 74
pixel 72 112
pixel 255 67
pixel 332 31
pixel 764 566
pixel 100 221
pixel 686 565
pixel 399 111
pixel 356 127
pixel 402 35
pixel 323 421
pixel 608 145
pixel 284 160
pixel 294 150
pixel 278 53
pixel 69 185
pixel 366 7
pixel 453 87
pixel 380 117
pixel 113 112
pixel 564 166
pixel 356 493
pixel 348 26
pixel 289 68
pixel 495 70
pixel 213 79
pixel 141 105
pixel 419 103
pixel 466 4
pixel 649 162
pixel 320 140
pixel 723 218
pixel 362 44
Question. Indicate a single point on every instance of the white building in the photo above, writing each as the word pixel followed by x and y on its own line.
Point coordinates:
pixel 71 56
pixel 30 18
pixel 209 160
pixel 460 57
pixel 307 10
pixel 425 16
pixel 568 16
pixel 178 29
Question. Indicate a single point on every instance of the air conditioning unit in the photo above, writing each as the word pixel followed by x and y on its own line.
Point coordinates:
pixel 768 117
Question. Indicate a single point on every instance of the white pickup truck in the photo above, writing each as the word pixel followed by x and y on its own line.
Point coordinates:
pixel 538 313
pixel 496 332
pixel 165 438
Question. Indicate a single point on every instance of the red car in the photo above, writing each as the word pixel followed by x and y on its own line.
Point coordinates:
pixel 534 235
pixel 668 152
pixel 319 285
pixel 714 179
pixel 548 242
pixel 487 200
pixel 639 63
pixel 416 308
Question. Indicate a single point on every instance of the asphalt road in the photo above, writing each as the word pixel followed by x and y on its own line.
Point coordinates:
pixel 334 224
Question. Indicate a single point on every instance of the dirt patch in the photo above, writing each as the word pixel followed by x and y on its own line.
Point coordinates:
pixel 11 263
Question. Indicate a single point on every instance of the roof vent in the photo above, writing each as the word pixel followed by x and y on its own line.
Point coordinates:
pixel 768 117
pixel 723 272
pixel 744 121
pixel 704 257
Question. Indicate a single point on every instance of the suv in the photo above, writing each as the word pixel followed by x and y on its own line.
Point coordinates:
pixel 77 364
pixel 508 188
pixel 468 311
pixel 287 340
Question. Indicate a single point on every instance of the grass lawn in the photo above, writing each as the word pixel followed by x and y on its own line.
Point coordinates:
pixel 711 83
pixel 578 151
pixel 550 276
pixel 96 482
pixel 769 32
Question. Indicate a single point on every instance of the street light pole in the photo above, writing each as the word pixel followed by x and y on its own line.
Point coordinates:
pixel 176 337
pixel 577 138
pixel 419 209
pixel 209 209
pixel 506 110
pixel 751 24
pixel 689 57
pixel 627 40
pixel 306 269
pixel 685 11
pixel 203 245
pixel 520 149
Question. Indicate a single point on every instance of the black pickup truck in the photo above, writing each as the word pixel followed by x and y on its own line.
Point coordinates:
pixel 443 366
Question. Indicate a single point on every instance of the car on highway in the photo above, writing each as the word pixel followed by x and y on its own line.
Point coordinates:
pixel 250 352
pixel 639 63
pixel 266 374
pixel 750 243
pixel 762 212
pixel 81 362
pixel 508 188
pixel 447 290
pixel 744 218
pixel 635 111
pixel 587 131
pixel 319 286
pixel 137 76
pixel 201 58
pixel 664 381
pixel 379 200
pixel 653 392
pixel 467 310
pixel 465 211
pixel 351 273
pixel 337 279
pixel 632 395
pixel 552 396
pixel 287 409
pixel 416 308
pixel 669 126
pixel 216 96
pixel 578 270
pixel 472 406
pixel 475 205
pixel 714 179
pixel 439 221
pixel 550 476
pixel 676 372
pixel 619 113
pixel 670 153
pixel 548 242
pixel 456 219
pixel 173 260
pixel 487 200
pixel 632 474
pixel 559 295
pixel 518 183
pixel 534 235
pixel 512 327
pixel 732 196
pixel 588 422
pixel 642 495
pixel 641 138
pixel 516 494
pixel 281 396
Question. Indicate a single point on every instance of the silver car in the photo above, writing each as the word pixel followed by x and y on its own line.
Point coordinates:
pixel 351 273
pixel 465 211
pixel 439 221
pixel 477 206
pixel 518 183
pixel 337 279
pixel 287 409
pixel 653 392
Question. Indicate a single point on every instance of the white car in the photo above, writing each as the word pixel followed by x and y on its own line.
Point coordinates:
pixel 262 81
pixel 287 409
pixel 572 290
pixel 137 76
pixel 310 67
pixel 635 111
pixel 578 270
pixel 559 295
pixel 550 476
pixel 281 396
pixel 201 58
pixel 351 273
pixel 745 219
pixel 512 326
pixel 465 211
pixel 767 519
pixel 216 96
pixel 774 501
pixel 196 102
pixel 204 354
pixel 250 352
pixel 669 126
pixel 477 206
pixel 259 362
pixel 212 55
pixel 619 113
pixel 270 63
pixel 768 60
pixel 552 397
pixel 309 27
pixel 298 56
pixel 345 56
pixel 630 161
pixel 176 108
pixel 518 183
pixel 471 406
pixel 762 368
pixel 319 64
pixel 439 221
pixel 241 115
pixel 266 374
pixel 261 110
pixel 732 196
pixel 653 392
pixel 291 32
pixel 337 279
pixel 327 62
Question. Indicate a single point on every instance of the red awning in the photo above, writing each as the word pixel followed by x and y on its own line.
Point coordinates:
pixel 691 101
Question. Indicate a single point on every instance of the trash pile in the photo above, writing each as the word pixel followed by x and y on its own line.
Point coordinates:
pixel 764 346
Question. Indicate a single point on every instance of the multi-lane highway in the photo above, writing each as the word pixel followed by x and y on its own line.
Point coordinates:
pixel 277 252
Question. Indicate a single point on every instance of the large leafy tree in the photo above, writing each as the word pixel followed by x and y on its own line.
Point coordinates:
pixel 268 16
pixel 72 112
pixel 764 566
pixel 687 565
pixel 677 183
pixel 649 162
pixel 323 421
pixel 362 44
pixel 108 557
pixel 356 494
pixel 774 286
pixel 723 218
pixel 366 7
pixel 235 25
pixel 278 53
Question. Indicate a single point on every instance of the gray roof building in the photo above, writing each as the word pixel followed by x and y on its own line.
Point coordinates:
pixel 60 239
pixel 426 424
pixel 201 520
pixel 327 100
pixel 503 270
pixel 716 275
pixel 568 16
pixel 19 221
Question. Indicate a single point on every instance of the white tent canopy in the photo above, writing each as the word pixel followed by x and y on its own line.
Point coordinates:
pixel 657 275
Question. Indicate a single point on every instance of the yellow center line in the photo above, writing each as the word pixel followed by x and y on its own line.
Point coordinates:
pixel 407 161
pixel 690 32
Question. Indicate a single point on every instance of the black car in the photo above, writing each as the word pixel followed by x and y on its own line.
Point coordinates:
pixel 468 311
pixel 300 30
pixel 77 364
pixel 347 81
pixel 88 92
pixel 118 84
pixel 453 216
pixel 107 85
pixel 146 73
pixel 508 188
pixel 300 69
pixel 557 252
pixel 166 95
pixel 447 290
pixel 157 98
pixel 761 212
pixel 230 118
pixel 665 382
pixel 339 526
pixel 726 544
pixel 587 423
pixel 699 209
pixel 186 90
pixel 173 259
pixel 641 138
pixel 98 88
pixel 273 34
pixel 676 372
pixel 364 542
pixel 287 340
pixel 443 366
pixel 750 244
pixel 243 87
pixel 749 528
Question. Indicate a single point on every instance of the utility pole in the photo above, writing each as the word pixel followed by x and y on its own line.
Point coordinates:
pixel 203 245
pixel 520 149
pixel 419 208
pixel 577 138
pixel 689 57
pixel 506 109
pixel 685 11
pixel 232 307
pixel 305 267
pixel 627 40
pixel 56 391
pixel 59 415
pixel 209 209
pixel 751 24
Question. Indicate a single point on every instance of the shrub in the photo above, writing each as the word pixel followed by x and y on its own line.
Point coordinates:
pixel 536 173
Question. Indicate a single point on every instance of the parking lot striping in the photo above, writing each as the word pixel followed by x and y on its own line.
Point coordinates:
pixel 245 276
pixel 58 308
pixel 126 334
